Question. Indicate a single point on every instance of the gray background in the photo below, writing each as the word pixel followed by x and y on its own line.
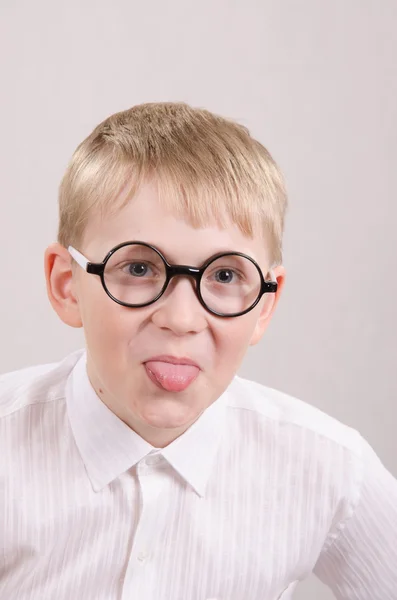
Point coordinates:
pixel 316 82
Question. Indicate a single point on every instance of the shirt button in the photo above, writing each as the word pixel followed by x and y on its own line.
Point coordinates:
pixel 152 460
pixel 142 556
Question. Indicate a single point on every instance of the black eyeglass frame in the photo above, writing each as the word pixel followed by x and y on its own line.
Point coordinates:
pixel 172 271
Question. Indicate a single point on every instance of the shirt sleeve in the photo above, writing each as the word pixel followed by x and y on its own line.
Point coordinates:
pixel 360 563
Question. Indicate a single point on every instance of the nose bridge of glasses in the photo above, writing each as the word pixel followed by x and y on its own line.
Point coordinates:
pixel 175 280
pixel 177 273
pixel 184 270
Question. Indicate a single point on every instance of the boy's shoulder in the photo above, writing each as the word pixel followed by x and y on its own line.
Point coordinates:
pixel 35 384
pixel 288 411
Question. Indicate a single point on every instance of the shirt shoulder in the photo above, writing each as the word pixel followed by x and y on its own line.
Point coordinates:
pixel 289 411
pixel 35 384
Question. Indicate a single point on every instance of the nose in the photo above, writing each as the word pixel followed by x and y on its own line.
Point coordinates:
pixel 179 309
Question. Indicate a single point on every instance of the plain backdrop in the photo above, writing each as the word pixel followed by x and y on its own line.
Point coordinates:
pixel 315 82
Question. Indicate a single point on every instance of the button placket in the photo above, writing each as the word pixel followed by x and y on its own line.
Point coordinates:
pixel 141 571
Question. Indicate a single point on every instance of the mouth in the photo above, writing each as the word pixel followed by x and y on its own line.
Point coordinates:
pixel 171 373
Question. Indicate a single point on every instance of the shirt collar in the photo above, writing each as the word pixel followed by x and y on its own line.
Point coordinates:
pixel 109 447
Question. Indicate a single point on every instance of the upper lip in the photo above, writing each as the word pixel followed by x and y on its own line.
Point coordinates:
pixel 174 360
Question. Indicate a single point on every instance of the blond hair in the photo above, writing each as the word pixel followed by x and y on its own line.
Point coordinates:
pixel 207 168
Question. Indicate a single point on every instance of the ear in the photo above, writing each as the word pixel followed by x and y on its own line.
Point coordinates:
pixel 269 306
pixel 60 284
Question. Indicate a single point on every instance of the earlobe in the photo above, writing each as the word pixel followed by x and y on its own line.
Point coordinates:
pixel 59 281
pixel 268 307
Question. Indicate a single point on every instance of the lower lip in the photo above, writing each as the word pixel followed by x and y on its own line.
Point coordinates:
pixel 171 378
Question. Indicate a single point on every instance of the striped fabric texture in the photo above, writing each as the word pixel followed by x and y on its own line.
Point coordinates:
pixel 260 492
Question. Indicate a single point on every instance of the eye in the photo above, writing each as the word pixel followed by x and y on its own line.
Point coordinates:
pixel 137 269
pixel 225 275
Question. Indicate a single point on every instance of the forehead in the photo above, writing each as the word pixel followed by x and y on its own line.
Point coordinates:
pixel 146 219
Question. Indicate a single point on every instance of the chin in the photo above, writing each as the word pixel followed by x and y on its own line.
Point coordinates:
pixel 170 415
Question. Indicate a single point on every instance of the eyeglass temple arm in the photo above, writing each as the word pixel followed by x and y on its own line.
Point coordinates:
pixel 78 257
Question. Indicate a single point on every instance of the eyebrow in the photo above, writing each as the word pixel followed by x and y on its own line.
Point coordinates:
pixel 168 255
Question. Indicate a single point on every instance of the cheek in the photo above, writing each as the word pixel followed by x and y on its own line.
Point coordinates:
pixel 233 339
pixel 107 325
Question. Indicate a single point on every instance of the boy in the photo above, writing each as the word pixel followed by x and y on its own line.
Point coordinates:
pixel 142 467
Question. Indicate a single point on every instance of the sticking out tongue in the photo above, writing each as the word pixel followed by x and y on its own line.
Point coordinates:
pixel 173 378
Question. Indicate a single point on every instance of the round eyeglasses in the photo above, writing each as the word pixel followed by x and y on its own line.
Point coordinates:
pixel 136 274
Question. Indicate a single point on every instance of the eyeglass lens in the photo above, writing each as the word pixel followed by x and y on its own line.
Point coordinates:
pixel 136 275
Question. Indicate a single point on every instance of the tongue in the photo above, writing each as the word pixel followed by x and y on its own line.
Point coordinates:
pixel 173 378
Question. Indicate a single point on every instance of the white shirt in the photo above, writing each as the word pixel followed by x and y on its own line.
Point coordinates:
pixel 261 491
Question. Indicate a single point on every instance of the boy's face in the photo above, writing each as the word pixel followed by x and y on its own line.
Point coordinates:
pixel 121 341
